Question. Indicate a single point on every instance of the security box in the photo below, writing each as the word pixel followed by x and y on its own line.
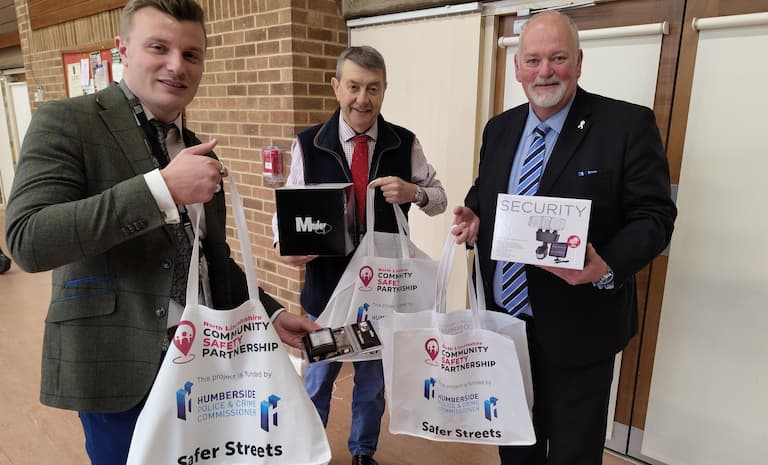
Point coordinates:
pixel 316 219
pixel 538 230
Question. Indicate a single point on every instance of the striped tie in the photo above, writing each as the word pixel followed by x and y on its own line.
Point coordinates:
pixel 514 288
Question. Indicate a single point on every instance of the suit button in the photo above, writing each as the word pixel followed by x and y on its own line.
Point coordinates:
pixel 160 312
pixel 167 263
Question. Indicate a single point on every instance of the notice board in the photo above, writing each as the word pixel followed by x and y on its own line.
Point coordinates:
pixel 91 70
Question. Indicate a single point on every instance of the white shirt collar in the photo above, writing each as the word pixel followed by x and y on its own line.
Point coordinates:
pixel 346 133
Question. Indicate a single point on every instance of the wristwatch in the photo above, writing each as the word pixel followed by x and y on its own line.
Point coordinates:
pixel 605 281
pixel 418 198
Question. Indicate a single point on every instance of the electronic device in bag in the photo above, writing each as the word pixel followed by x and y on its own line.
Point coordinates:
pixel 329 344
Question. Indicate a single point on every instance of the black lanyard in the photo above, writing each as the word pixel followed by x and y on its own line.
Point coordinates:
pixel 157 151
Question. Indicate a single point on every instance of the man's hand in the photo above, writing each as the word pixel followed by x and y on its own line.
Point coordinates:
pixel 594 269
pixel 192 177
pixel 466 225
pixel 293 260
pixel 291 327
pixel 395 190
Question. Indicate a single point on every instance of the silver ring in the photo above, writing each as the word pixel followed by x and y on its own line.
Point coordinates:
pixel 222 170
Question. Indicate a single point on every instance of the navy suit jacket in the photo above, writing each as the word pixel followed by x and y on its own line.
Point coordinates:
pixel 631 220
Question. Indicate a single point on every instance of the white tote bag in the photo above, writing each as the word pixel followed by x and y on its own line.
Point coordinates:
pixel 461 376
pixel 226 392
pixel 386 273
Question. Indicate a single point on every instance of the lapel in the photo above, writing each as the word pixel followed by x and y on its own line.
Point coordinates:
pixel 576 127
pixel 122 126
pixel 127 134
pixel 507 143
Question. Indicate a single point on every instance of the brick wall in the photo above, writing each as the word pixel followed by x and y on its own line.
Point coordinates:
pixel 267 76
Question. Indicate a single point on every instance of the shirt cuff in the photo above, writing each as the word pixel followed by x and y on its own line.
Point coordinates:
pixel 277 312
pixel 432 207
pixel 162 195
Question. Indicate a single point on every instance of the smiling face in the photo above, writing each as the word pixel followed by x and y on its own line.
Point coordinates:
pixel 162 61
pixel 548 63
pixel 360 93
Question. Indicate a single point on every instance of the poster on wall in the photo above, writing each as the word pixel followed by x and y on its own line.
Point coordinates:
pixel 117 66
pixel 74 83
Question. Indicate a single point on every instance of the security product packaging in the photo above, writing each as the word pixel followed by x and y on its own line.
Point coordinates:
pixel 550 231
pixel 336 344
pixel 316 219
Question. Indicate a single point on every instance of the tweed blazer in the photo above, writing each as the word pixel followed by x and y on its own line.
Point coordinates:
pixel 80 206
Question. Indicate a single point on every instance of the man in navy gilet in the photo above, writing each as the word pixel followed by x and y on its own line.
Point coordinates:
pixel 400 174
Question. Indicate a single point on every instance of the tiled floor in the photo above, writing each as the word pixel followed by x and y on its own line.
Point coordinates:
pixel 31 434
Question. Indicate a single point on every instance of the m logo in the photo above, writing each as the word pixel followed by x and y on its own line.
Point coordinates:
pixel 267 406
pixel 490 408
pixel 429 388
pixel 184 401
pixel 307 224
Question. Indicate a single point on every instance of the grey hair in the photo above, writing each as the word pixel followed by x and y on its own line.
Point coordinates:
pixel 564 17
pixel 364 56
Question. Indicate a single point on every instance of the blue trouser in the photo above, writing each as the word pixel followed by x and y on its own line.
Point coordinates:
pixel 367 400
pixel 108 435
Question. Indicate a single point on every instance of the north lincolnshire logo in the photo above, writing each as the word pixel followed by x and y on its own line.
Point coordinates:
pixel 366 276
pixel 183 338
pixel 432 346
pixel 307 224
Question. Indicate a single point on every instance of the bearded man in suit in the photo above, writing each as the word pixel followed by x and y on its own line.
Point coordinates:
pixel 594 148
pixel 106 203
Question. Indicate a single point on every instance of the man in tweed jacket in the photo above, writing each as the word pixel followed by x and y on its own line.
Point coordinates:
pixel 90 202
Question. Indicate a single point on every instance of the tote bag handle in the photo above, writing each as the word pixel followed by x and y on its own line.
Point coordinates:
pixel 474 287
pixel 476 291
pixel 238 212
pixel 402 225
pixel 444 273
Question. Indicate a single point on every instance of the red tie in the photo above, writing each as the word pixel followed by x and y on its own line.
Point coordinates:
pixel 360 173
